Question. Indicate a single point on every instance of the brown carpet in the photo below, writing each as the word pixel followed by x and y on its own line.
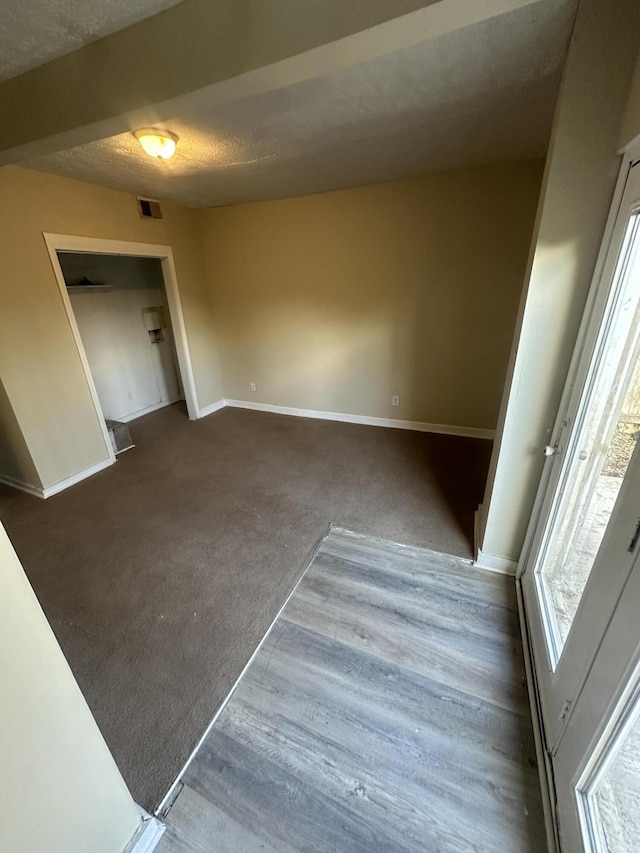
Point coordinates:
pixel 161 574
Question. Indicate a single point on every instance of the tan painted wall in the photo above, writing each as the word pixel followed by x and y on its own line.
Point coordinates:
pixel 582 168
pixel 61 791
pixel 39 363
pixel 336 302
pixel 631 120
pixel 16 464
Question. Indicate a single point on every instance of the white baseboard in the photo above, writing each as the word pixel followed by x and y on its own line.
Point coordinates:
pixel 142 412
pixel 76 478
pixel 417 426
pixel 493 563
pixel 147 835
pixel 214 407
pixel 544 769
pixel 38 491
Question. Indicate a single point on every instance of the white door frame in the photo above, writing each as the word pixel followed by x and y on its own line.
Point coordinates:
pixel 95 245
pixel 602 716
pixel 544 499
pixel 577 373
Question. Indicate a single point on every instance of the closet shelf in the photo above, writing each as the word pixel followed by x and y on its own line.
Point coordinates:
pixel 89 288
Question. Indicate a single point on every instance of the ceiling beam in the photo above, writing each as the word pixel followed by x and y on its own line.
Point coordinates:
pixel 215 52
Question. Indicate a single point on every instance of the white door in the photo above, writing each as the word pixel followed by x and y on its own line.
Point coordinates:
pixel 581 551
pixel 597 763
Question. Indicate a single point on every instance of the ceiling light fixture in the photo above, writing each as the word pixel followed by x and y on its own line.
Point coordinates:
pixel 157 143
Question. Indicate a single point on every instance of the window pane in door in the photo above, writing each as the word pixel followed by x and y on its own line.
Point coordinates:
pixel 607 427
pixel 613 804
pixel 589 509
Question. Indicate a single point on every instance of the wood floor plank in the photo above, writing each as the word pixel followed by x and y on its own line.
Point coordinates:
pixel 175 840
pixel 208 828
pixel 417 628
pixel 421 637
pixel 374 699
pixel 385 711
pixel 450 572
pixel 393 784
pixel 409 583
pixel 278 805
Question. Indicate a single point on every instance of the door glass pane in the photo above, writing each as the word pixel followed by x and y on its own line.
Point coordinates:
pixel 613 804
pixel 596 460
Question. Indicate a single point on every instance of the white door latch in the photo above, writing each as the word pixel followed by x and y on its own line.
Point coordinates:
pixel 549 450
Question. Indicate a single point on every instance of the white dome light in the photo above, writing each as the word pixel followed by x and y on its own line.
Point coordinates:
pixel 160 144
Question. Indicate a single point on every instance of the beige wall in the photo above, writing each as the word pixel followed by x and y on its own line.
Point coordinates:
pixel 39 363
pixel 332 302
pixel 61 791
pixel 16 464
pixel 631 120
pixel 582 168
pixel 336 302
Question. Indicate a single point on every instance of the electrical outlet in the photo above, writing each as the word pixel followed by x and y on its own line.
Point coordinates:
pixel 253 386
pixel 395 400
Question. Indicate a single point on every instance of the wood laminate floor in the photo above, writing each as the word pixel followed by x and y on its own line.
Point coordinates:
pixel 385 711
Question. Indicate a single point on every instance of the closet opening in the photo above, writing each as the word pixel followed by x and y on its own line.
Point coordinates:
pixel 124 309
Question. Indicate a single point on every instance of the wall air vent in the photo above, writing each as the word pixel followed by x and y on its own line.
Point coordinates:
pixel 149 209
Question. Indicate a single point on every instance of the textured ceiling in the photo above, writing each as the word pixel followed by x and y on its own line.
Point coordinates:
pixel 33 32
pixel 481 94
